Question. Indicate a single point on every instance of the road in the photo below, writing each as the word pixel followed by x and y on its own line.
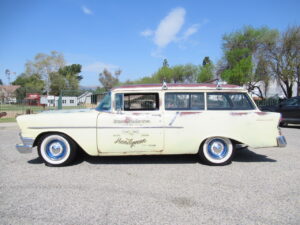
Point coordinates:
pixel 261 186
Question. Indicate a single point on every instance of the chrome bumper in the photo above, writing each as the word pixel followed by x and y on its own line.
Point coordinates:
pixel 26 147
pixel 281 142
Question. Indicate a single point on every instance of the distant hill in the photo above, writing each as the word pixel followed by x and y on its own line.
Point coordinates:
pixel 88 88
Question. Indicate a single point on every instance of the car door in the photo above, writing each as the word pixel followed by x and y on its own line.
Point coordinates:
pixel 184 112
pixel 134 125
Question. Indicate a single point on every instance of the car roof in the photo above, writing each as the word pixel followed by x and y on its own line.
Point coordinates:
pixel 177 86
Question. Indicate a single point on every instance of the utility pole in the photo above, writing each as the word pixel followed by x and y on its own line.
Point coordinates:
pixel 7 73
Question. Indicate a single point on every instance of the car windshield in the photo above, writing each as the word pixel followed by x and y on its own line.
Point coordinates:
pixel 105 104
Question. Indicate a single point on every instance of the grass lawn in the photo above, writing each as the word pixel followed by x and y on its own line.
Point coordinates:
pixel 7 120
pixel 16 107
pixel 23 108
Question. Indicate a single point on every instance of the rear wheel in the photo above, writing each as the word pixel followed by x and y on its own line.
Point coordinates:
pixel 57 149
pixel 217 151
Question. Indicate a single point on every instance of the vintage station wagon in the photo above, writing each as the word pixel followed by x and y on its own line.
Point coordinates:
pixel 204 119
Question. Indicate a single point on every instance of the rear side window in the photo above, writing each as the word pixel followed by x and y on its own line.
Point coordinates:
pixel 137 101
pixel 184 101
pixel 228 101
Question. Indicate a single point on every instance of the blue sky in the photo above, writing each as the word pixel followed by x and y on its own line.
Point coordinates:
pixel 131 35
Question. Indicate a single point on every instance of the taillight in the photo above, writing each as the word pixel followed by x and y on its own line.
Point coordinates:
pixel 280 119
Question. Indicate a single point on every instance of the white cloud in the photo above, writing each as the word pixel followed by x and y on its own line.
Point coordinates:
pixel 97 67
pixel 147 33
pixel 190 31
pixel 157 54
pixel 169 27
pixel 86 10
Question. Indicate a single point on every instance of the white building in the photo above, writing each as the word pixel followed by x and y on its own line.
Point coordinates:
pixel 52 101
pixel 85 98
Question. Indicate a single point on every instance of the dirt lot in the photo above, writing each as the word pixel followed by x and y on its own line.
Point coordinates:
pixel 261 186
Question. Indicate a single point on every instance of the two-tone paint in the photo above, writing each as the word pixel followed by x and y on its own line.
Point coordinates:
pixel 115 132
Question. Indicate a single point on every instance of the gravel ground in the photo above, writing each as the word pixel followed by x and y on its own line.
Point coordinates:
pixel 261 186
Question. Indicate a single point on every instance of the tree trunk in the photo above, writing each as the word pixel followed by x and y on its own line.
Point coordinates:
pixel 283 89
pixel 260 92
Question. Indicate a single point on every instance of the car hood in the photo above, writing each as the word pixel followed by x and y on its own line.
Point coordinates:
pixel 66 111
pixel 58 118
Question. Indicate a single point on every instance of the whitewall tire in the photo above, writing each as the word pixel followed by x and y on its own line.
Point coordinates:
pixel 57 149
pixel 217 151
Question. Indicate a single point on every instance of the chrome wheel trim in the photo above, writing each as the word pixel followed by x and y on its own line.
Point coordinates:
pixel 217 149
pixel 55 149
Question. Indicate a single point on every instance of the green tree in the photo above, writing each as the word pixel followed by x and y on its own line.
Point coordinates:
pixel 108 80
pixel 164 74
pixel 165 63
pixel 242 51
pixel 29 84
pixel 67 78
pixel 206 60
pixel 1 83
pixel 206 72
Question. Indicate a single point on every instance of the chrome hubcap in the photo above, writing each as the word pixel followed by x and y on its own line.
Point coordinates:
pixel 56 149
pixel 217 148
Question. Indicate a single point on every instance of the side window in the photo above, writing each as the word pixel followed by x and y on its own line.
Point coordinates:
pixel 184 101
pixel 119 102
pixel 137 101
pixel 240 101
pixel 176 101
pixel 217 101
pixel 197 101
pixel 228 101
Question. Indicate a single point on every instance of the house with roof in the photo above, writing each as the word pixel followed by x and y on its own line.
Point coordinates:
pixel 8 94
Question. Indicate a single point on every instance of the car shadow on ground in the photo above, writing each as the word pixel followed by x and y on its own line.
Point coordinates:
pixel 246 155
pixel 242 155
pixel 291 126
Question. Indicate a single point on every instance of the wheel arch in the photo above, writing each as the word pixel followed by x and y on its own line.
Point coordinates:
pixel 233 141
pixel 41 135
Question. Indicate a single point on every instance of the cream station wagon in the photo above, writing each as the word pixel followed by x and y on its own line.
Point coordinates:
pixel 204 119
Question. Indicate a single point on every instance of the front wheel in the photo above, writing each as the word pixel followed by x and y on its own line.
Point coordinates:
pixel 57 149
pixel 217 151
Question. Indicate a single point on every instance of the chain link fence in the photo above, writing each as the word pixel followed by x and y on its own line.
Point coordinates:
pixel 25 101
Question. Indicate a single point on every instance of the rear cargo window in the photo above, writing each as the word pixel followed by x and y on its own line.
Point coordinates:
pixel 184 101
pixel 228 101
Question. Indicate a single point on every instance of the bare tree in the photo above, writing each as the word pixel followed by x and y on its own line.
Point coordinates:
pixel 284 56
pixel 108 80
pixel 44 65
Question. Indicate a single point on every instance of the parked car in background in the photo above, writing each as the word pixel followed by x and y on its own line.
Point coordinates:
pixel 202 119
pixel 289 109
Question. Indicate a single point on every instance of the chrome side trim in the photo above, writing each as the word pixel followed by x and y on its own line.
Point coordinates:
pixel 135 127
pixel 26 147
pixel 281 142
pixel 168 127
pixel 61 127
